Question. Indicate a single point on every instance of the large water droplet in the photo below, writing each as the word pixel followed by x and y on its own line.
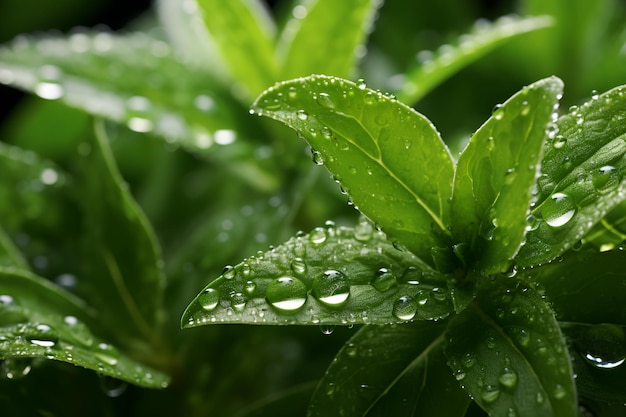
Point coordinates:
pixel 43 336
pixel 238 301
pixel 606 179
pixel 209 299
pixel 405 308
pixel 286 293
pixel 318 236
pixel 383 279
pixel 603 346
pixel 363 231
pixel 558 210
pixel 331 288
pixel 508 378
pixel 490 394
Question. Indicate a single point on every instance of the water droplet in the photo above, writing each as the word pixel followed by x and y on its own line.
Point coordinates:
pixel 249 287
pixel 331 288
pixel 49 176
pixel 498 112
pixel 324 100
pixel 302 115
pixel 603 346
pixel 318 236
pixel 490 394
pixel 317 157
pixel 438 294
pixel 405 308
pixel 559 142
pixel 286 293
pixel 369 98
pixel 363 231
pixel 559 392
pixel 16 368
pixel 49 90
pixel 558 210
pixel 112 387
pixel 209 299
pixel 468 360
pixel 606 179
pixel 42 336
pixel 360 83
pixel 411 276
pixel 229 272
pixel 327 328
pixel 107 354
pixel 539 398
pixel 6 300
pixel 238 301
pixel 298 266
pixel 508 378
pixel 224 136
pixel 383 279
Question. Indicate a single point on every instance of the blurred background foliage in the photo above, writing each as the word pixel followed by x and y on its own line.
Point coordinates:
pixel 209 211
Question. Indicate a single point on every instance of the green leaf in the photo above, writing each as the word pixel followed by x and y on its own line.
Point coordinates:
pixel 287 404
pixel 598 355
pixel 610 232
pixel 390 370
pixel 582 177
pixel 586 286
pixel 125 267
pixel 41 320
pixel 131 79
pixel 243 33
pixel 9 254
pixel 496 173
pixel 333 276
pixel 432 71
pixel 326 39
pixel 387 157
pixel 508 352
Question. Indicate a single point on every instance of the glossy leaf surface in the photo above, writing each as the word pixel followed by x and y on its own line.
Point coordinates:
pixel 41 320
pixel 508 352
pixel 125 270
pixel 449 59
pixel 496 173
pixel 131 79
pixel 582 176
pixel 390 370
pixel 326 38
pixel 332 276
pixel 243 33
pixel 387 157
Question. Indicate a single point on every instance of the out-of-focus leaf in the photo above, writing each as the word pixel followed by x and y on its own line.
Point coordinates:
pixel 387 157
pixel 41 320
pixel 610 232
pixel 508 352
pixel 586 286
pixel 243 33
pixel 332 276
pixel 435 69
pixel 582 177
pixel 598 356
pixel 324 37
pixel 132 79
pixel 291 403
pixel 125 267
pixel 496 173
pixel 390 370
pixel 9 254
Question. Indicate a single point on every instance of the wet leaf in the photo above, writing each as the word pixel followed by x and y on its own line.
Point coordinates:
pixel 582 177
pixel 132 79
pixel 496 173
pixel 125 267
pixel 610 232
pixel 508 352
pixel 332 276
pixel 41 320
pixel 326 39
pixel 243 34
pixel 389 370
pixel 387 157
pixel 586 286
pixel 449 59
pixel 10 256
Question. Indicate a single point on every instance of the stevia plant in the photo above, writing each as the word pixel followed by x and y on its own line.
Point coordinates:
pixel 476 279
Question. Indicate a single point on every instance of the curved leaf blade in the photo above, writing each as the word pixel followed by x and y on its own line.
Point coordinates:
pixel 41 320
pixel 243 33
pixel 387 157
pixel 587 286
pixel 9 254
pixel 333 276
pixel 131 79
pixel 125 266
pixel 427 75
pixel 582 177
pixel 374 363
pixel 508 352
pixel 496 173
pixel 326 39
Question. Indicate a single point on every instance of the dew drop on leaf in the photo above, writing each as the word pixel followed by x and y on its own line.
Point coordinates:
pixel 383 279
pixel 603 346
pixel 363 231
pixel 302 115
pixel 287 294
pixel 327 328
pixel 331 288
pixel 107 354
pixel 558 210
pixel 238 301
pixel 411 276
pixel 43 336
pixel 559 392
pixel 508 378
pixel 606 179
pixel 405 308
pixel 112 387
pixel 209 299
pixel 317 157
pixel 229 272
pixel 490 394
pixel 318 236
pixel 298 266
pixel 324 100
